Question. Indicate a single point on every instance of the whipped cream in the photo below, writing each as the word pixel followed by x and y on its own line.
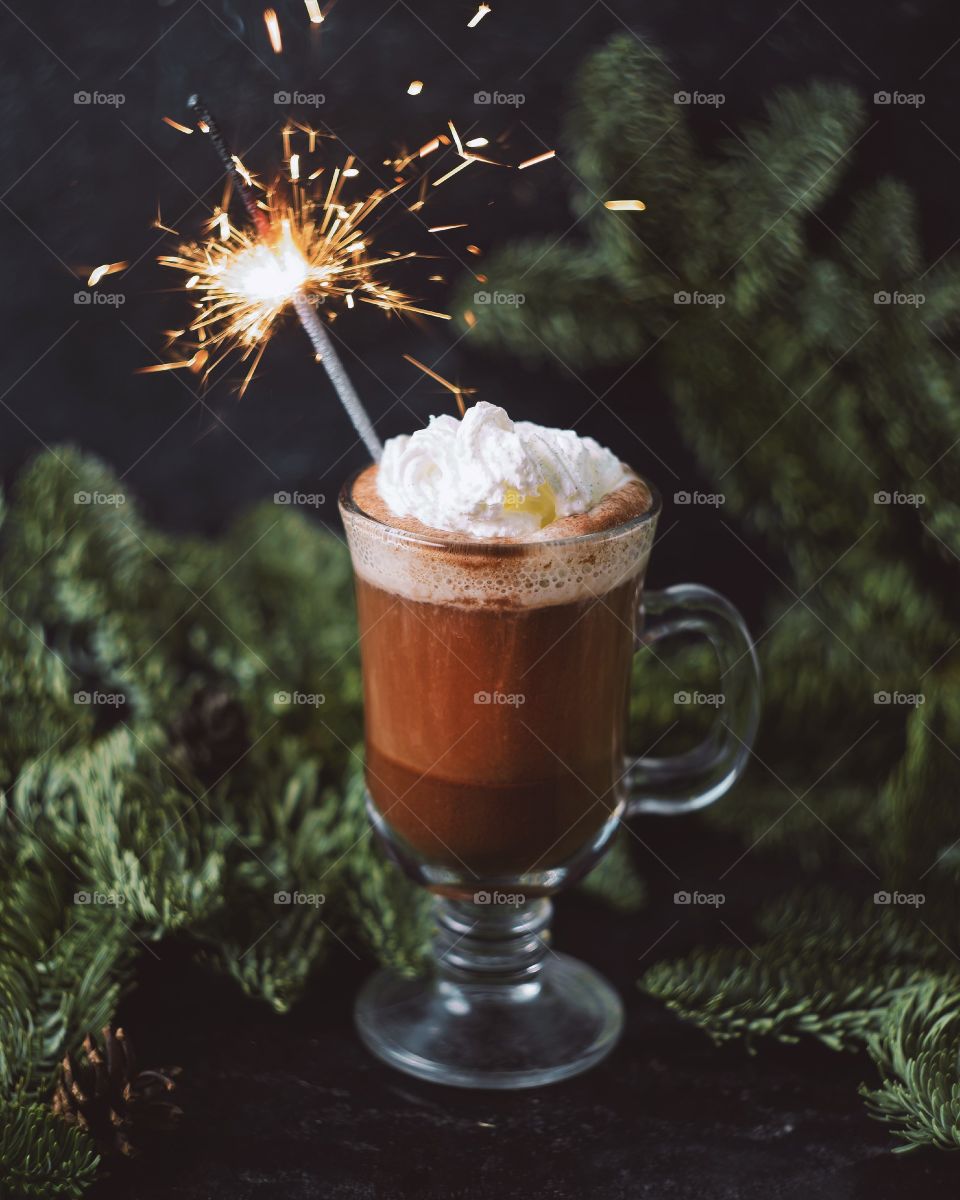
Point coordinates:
pixel 487 476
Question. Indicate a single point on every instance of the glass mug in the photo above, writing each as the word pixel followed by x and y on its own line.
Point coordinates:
pixel 496 686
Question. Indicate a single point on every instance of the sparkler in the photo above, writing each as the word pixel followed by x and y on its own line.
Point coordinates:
pixel 305 250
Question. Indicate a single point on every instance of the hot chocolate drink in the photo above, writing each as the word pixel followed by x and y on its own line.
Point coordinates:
pixel 496 667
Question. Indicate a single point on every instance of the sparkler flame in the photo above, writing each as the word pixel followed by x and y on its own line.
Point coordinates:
pixel 308 246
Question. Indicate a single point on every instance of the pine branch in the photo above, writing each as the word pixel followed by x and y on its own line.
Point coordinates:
pixel 916 1050
pixel 829 970
pixel 41 1156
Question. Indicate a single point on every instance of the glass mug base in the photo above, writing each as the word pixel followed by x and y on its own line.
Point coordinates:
pixel 502 1010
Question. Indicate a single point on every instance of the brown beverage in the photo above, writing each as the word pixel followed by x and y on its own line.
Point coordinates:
pixel 496 678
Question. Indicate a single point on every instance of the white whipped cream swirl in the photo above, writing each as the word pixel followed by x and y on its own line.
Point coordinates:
pixel 484 476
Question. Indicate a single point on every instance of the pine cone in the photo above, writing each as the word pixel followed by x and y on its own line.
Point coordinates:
pixel 105 1094
pixel 212 733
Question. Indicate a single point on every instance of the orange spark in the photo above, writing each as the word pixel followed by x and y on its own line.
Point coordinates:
pixel 105 269
pixel 273 29
pixel 176 125
pixel 458 391
pixel 537 158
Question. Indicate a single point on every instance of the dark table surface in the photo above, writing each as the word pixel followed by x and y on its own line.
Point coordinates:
pixel 291 1107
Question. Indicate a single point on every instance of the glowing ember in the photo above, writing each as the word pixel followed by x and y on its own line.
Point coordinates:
pixel 449 175
pixel 105 269
pixel 477 143
pixel 537 158
pixel 415 88
pixel 478 15
pixel 176 125
pixel 458 391
pixel 313 12
pixel 625 205
pixel 273 29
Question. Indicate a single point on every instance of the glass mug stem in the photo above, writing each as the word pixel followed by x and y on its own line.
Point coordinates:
pixel 496 678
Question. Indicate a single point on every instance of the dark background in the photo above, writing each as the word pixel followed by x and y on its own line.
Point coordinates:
pixel 292 1107
pixel 82 185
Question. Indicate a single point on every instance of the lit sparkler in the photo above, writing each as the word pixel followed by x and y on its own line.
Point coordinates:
pixel 307 251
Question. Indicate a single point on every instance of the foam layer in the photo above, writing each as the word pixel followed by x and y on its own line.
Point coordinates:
pixel 554 565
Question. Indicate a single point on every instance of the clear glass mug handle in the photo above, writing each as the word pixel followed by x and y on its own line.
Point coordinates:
pixel 700 776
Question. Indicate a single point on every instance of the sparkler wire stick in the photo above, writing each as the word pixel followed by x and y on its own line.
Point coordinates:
pixel 302 304
pixel 327 355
